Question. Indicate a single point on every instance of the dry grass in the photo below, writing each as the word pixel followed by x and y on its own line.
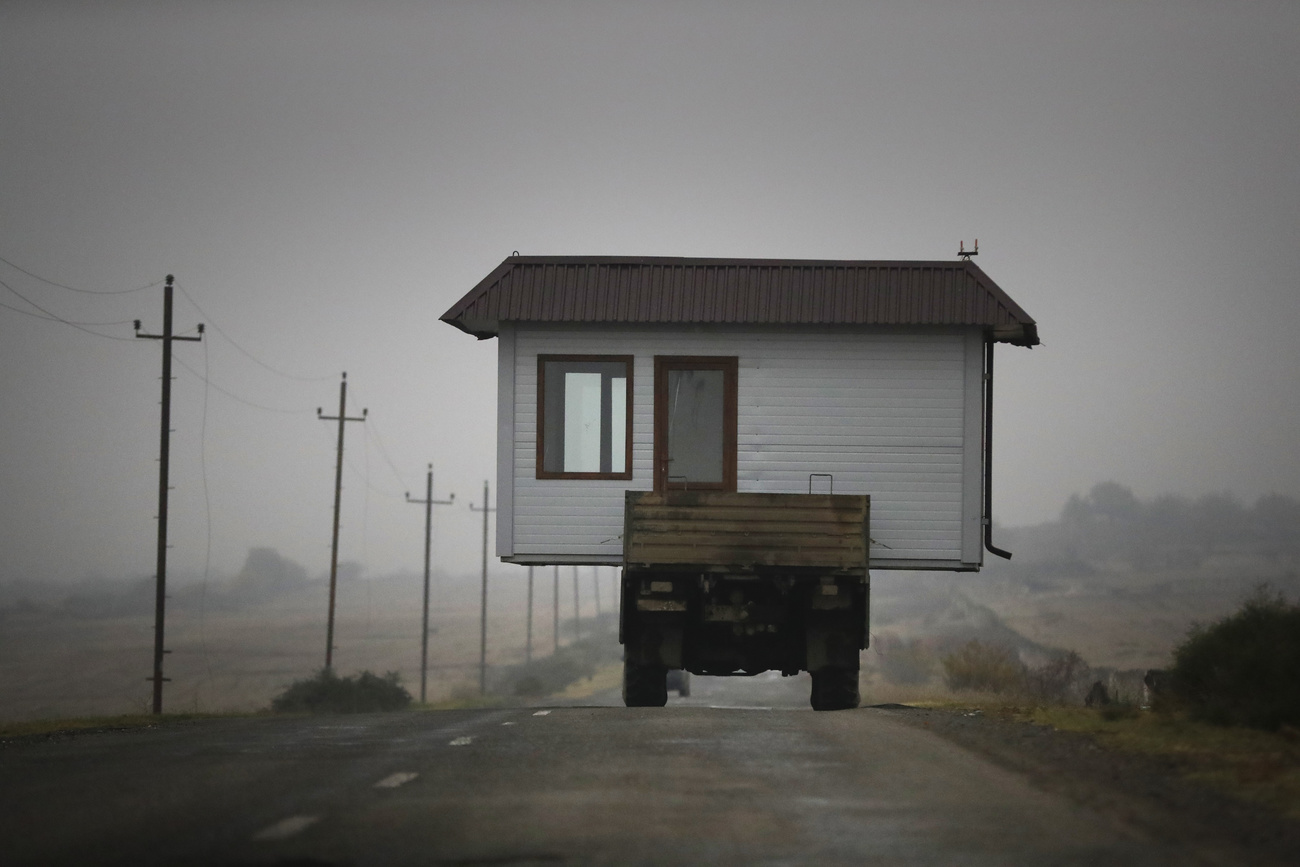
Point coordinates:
pixel 1254 765
pixel 59 667
pixel 606 677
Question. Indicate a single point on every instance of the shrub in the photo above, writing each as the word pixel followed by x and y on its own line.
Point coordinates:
pixel 1054 680
pixel 983 667
pixel 550 674
pixel 329 693
pixel 1245 668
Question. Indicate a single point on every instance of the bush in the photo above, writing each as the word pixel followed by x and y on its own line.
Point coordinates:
pixel 547 675
pixel 1054 681
pixel 984 668
pixel 1243 669
pixel 329 693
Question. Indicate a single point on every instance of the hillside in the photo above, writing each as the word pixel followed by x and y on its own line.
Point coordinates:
pixel 1118 579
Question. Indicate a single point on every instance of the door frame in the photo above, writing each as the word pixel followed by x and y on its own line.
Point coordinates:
pixel 728 365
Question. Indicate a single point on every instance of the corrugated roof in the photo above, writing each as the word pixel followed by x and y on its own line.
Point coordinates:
pixel 628 289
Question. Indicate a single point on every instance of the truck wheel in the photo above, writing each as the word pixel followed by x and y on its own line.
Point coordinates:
pixel 644 685
pixel 834 689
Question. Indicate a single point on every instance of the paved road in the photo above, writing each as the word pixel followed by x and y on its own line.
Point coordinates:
pixel 736 774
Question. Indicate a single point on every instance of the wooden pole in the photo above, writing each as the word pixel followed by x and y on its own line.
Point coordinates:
pixel 164 469
pixel 341 418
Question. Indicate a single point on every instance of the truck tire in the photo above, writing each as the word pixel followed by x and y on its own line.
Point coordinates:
pixel 834 689
pixel 644 685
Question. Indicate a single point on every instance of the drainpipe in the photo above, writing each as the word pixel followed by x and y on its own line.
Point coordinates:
pixel 988 452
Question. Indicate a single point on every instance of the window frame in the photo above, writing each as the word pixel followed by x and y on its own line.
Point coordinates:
pixel 540 468
pixel 729 365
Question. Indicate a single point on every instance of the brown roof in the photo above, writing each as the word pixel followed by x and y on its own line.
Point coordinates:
pixel 633 289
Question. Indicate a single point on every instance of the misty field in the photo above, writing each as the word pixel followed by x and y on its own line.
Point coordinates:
pixel 1116 580
pixel 235 653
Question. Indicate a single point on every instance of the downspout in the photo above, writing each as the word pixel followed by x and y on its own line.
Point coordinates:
pixel 988 452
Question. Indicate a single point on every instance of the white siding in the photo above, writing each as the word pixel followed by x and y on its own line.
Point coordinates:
pixel 889 413
pixel 505 440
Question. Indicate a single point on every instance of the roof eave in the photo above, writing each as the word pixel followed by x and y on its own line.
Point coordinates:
pixel 1020 334
pixel 479 328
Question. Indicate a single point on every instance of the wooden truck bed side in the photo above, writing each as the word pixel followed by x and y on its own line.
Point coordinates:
pixel 714 531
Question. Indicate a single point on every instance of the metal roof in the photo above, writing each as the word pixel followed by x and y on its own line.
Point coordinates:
pixel 633 289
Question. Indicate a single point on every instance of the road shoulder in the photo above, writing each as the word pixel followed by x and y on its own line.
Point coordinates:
pixel 1147 794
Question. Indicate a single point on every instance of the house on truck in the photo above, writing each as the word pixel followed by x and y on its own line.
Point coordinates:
pixel 703 378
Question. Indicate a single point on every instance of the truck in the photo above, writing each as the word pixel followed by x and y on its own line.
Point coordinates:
pixel 736 584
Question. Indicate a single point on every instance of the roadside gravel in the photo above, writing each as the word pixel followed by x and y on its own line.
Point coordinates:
pixel 1146 793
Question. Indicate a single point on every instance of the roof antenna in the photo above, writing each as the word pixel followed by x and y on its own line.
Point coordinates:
pixel 966 254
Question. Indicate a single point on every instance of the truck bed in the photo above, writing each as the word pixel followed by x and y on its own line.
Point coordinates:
pixel 714 531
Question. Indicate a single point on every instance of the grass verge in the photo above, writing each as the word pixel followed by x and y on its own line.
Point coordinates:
pixel 1250 764
pixel 606 677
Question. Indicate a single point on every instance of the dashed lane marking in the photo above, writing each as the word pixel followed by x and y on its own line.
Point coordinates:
pixel 462 741
pixel 509 723
pixel 541 713
pixel 285 828
pixel 392 781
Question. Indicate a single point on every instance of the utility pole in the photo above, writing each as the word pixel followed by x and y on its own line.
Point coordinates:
pixel 577 624
pixel 338 497
pixel 555 624
pixel 482 632
pixel 429 502
pixel 528 640
pixel 164 459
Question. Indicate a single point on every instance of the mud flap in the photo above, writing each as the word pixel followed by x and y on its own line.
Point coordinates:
pixel 831 644
pixel 656 642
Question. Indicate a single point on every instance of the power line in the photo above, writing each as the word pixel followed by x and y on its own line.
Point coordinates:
pixel 383 452
pixel 74 288
pixel 237 398
pixel 208 319
pixel 45 318
pixel 358 474
pixel 54 317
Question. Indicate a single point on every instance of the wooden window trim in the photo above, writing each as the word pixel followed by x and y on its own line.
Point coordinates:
pixel 729 366
pixel 541 473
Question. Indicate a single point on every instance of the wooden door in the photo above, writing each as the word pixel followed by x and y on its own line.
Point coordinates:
pixel 695 423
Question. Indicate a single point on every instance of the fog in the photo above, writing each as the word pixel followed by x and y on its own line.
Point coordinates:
pixel 325 180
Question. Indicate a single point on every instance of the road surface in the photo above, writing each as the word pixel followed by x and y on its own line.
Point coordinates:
pixel 739 773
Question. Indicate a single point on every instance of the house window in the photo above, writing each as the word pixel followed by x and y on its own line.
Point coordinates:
pixel 584 417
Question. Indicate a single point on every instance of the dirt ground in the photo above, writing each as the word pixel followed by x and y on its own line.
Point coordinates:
pixel 1150 794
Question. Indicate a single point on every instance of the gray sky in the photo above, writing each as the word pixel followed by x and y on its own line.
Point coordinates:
pixel 326 179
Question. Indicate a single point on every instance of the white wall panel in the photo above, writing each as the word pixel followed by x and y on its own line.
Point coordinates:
pixel 888 413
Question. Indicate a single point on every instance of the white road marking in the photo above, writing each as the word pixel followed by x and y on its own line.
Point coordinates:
pixel 392 781
pixel 508 723
pixel 462 741
pixel 285 828
pixel 736 707
pixel 541 713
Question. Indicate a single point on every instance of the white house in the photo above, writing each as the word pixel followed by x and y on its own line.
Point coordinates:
pixel 761 375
